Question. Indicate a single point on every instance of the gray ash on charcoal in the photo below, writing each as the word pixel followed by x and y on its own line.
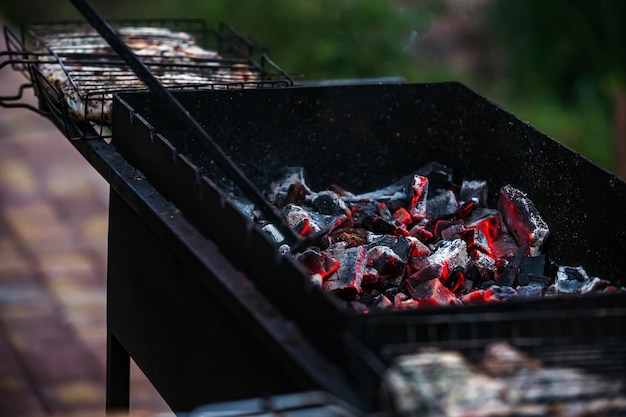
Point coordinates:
pixel 428 239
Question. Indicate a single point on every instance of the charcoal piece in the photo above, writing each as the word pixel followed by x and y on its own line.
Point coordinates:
pixel 352 237
pixel 273 232
pixel 418 249
pixel 379 226
pixel 535 265
pixel 455 281
pixel 522 219
pixel 565 287
pixel 279 188
pixel 363 209
pixel 467 287
pixel 595 285
pixel 380 302
pixel 402 217
pixel 442 205
pixel 487 284
pixel 441 225
pixel 330 222
pixel 488 221
pixel 466 208
pixel 390 281
pixel 500 264
pixel 551 268
pixel 504 247
pixel 404 247
pixel 419 232
pixel 508 276
pixel 296 194
pixel 499 293
pixel 382 240
pixel 294 215
pixel 391 292
pixel 385 213
pixel 347 279
pixel 359 307
pixel 415 264
pixel 475 239
pixel 611 289
pixel 385 261
pixel 426 273
pixel 477 190
pixel 450 255
pixel 366 298
pixel 418 197
pixel 317 262
pixel 305 228
pixel 473 297
pixel 431 293
pixel 542 280
pixel 472 273
pixel 329 202
pixel 340 190
pixel 392 192
pixel 370 276
pixel 482 265
pixel 395 205
pixel 531 290
pixel 569 280
pixel 439 175
pixel 452 232
pixel 578 274
pixel 402 303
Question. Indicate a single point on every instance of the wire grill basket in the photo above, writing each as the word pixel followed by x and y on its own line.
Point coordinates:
pixel 74 72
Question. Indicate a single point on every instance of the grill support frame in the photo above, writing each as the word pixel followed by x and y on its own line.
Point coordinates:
pixel 282 345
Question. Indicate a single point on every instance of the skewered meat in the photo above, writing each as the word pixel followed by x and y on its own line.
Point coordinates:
pixel 86 71
pixel 506 382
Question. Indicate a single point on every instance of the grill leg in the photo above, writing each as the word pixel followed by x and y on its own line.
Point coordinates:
pixel 118 377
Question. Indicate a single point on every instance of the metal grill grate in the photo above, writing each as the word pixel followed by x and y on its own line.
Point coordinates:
pixel 75 73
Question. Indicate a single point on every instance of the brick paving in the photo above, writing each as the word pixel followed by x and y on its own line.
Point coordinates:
pixel 53 251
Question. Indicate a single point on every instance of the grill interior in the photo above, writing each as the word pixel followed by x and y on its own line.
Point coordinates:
pixel 364 137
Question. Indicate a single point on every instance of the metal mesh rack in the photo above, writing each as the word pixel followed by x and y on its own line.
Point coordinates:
pixel 74 72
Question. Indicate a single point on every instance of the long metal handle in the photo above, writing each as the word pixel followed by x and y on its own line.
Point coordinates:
pixel 15 101
pixel 167 99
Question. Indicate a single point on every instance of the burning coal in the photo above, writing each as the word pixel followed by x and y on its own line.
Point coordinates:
pixel 425 241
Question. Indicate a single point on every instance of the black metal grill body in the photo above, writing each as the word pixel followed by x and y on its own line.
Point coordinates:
pixel 364 137
pixel 195 325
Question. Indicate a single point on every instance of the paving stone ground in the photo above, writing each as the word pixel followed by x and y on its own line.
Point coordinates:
pixel 53 251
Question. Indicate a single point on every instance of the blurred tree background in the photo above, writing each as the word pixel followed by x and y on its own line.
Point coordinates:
pixel 557 64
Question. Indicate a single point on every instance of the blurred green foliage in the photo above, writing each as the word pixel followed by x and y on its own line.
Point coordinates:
pixel 318 39
pixel 565 64
pixel 557 60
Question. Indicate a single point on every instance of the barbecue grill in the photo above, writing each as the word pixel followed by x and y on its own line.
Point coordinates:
pixel 209 309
